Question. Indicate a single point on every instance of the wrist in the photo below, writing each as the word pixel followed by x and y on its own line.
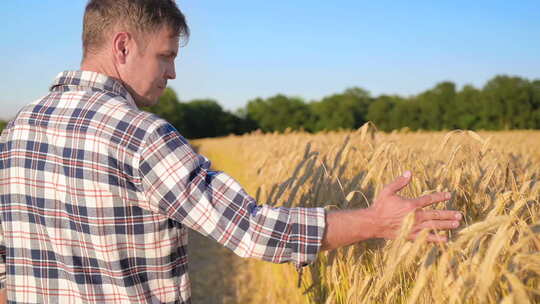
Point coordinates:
pixel 368 224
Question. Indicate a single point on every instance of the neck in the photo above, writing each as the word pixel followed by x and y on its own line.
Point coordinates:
pixel 98 65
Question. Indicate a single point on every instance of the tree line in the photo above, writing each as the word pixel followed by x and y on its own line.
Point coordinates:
pixel 503 103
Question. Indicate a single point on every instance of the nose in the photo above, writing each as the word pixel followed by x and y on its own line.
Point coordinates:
pixel 171 71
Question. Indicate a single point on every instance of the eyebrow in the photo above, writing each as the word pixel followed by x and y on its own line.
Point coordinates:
pixel 170 53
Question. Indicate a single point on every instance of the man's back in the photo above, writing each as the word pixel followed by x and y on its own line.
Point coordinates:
pixel 73 227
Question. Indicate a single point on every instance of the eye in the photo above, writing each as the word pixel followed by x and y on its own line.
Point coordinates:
pixel 168 57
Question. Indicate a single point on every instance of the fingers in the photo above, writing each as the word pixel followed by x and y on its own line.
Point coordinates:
pixel 435 220
pixel 422 216
pixel 431 199
pixel 398 184
pixel 437 225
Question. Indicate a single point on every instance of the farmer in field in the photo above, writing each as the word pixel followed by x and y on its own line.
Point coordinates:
pixel 97 195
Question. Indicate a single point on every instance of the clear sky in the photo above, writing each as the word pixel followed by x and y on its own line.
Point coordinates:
pixel 242 49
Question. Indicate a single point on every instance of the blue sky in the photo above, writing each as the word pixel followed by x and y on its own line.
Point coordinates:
pixel 240 49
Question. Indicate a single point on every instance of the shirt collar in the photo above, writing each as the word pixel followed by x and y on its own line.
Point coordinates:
pixel 85 80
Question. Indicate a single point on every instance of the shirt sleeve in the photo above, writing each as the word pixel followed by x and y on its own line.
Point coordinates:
pixel 178 183
pixel 2 240
pixel 2 260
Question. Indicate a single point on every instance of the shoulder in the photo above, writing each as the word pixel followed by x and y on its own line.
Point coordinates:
pixel 139 128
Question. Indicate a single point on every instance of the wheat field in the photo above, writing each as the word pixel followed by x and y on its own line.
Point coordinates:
pixel 494 257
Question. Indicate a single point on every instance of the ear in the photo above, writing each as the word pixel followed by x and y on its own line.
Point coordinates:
pixel 122 43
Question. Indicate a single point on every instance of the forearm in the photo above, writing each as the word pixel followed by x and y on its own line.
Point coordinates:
pixel 349 226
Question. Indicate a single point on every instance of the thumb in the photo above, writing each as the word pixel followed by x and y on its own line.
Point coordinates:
pixel 399 183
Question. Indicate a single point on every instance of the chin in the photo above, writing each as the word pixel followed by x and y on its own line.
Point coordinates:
pixel 153 103
pixel 146 102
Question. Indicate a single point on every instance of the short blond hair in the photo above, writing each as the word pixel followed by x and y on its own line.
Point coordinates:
pixel 101 17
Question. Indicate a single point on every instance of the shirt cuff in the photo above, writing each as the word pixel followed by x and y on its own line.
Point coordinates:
pixel 307 233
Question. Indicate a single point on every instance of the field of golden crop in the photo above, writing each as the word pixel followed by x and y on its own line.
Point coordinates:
pixel 495 180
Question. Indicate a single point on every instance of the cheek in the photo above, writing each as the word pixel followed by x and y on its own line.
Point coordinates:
pixel 154 75
pixel 163 67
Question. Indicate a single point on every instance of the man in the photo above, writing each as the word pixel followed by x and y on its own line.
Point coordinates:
pixel 96 195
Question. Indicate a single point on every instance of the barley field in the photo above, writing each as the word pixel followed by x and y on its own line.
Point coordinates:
pixel 494 257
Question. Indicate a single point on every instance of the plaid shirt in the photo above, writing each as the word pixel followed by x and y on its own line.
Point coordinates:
pixel 97 196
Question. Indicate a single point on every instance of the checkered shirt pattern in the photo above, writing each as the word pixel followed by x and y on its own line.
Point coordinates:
pixel 96 197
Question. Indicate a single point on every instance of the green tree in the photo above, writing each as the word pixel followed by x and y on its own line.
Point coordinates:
pixel 381 112
pixel 535 93
pixel 468 108
pixel 170 109
pixel 508 103
pixel 244 123
pixel 278 113
pixel 3 125
pixel 205 118
pixel 407 113
pixel 199 118
pixel 434 103
pixel 341 111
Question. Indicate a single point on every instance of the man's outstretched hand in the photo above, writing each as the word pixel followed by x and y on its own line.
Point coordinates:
pixel 390 209
pixel 384 218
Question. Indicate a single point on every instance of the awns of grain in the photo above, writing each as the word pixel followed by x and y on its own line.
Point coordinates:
pixel 495 177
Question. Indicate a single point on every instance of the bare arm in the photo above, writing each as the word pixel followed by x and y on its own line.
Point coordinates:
pixel 384 217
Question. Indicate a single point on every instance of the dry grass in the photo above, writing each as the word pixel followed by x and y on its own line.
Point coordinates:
pixel 495 180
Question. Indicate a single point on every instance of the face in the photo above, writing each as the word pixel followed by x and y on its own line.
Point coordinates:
pixel 148 66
